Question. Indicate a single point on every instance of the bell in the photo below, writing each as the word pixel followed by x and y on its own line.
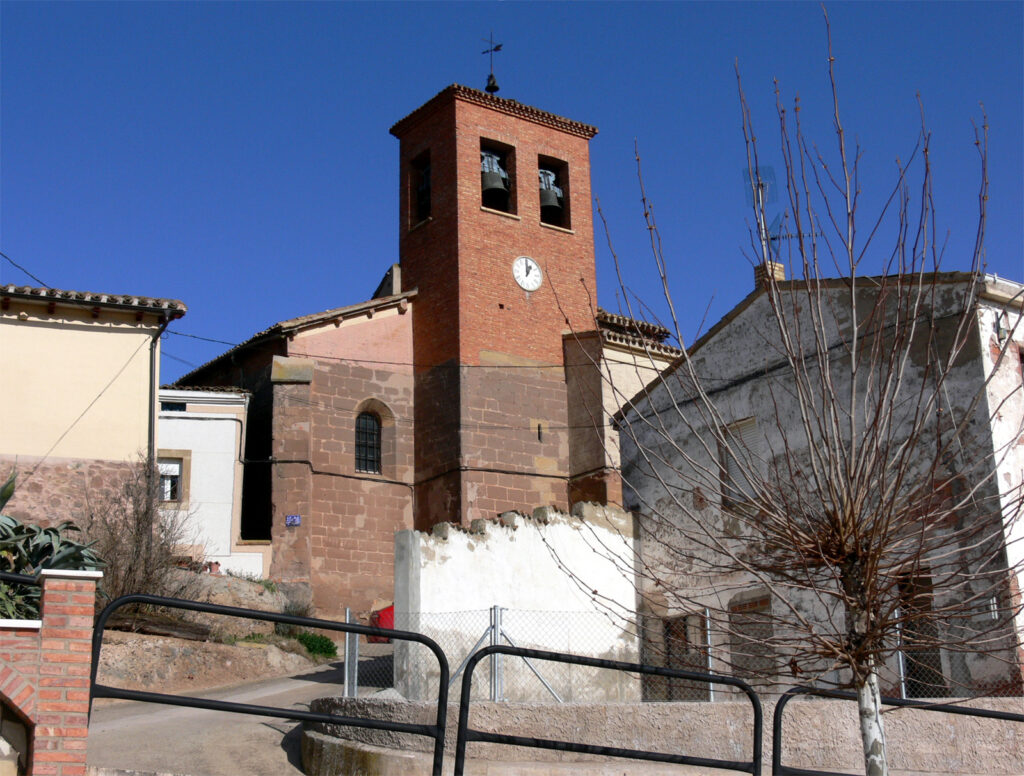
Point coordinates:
pixel 492 84
pixel 494 189
pixel 550 198
pixel 492 181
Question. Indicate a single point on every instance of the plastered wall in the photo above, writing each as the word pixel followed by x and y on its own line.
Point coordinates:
pixel 446 582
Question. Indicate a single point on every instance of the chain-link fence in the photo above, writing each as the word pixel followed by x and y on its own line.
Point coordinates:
pixel 683 642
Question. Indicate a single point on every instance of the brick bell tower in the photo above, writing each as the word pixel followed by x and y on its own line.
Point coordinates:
pixel 497 237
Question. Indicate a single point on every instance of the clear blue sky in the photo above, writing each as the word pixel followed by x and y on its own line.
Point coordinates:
pixel 237 156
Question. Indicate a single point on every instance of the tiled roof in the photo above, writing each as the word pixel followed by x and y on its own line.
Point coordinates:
pixel 511 107
pixel 91 299
pixel 205 388
pixel 286 327
pixel 631 326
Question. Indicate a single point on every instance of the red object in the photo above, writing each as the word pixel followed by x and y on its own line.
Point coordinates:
pixel 382 618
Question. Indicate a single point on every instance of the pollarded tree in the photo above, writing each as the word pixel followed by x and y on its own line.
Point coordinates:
pixel 831 476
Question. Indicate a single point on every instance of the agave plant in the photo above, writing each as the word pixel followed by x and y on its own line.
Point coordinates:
pixel 28 549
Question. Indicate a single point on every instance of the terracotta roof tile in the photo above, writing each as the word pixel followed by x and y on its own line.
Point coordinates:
pixel 94 299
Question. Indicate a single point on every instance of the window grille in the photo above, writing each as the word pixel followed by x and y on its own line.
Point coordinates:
pixel 368 443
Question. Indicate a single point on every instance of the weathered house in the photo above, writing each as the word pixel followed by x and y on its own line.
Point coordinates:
pixel 692 468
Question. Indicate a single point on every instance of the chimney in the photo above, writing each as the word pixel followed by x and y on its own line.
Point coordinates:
pixel 761 272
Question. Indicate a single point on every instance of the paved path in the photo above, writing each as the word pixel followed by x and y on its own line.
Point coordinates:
pixel 155 738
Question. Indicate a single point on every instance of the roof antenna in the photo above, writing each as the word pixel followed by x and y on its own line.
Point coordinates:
pixel 492 83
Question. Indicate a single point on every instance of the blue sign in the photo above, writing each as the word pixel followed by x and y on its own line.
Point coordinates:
pixel 292 520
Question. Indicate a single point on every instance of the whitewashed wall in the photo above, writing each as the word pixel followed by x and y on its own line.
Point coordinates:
pixel 566 581
pixel 211 431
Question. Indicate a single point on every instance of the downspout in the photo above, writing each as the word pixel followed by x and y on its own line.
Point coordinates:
pixel 153 369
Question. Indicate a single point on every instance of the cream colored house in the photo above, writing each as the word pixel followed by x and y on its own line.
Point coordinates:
pixel 78 402
pixel 201 436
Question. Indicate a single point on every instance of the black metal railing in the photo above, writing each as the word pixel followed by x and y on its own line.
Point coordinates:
pixel 435 731
pixel 778 769
pixel 18 579
pixel 467 734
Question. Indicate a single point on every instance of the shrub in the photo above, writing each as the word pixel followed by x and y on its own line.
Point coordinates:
pixel 316 644
pixel 28 549
pixel 144 542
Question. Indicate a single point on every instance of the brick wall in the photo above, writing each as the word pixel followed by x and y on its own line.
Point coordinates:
pixel 489 356
pixel 44 672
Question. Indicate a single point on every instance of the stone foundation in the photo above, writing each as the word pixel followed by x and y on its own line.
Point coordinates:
pixel 819 734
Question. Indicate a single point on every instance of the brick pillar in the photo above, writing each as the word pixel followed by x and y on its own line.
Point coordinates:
pixel 62 698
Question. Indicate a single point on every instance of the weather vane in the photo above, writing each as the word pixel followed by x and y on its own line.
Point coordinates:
pixel 492 84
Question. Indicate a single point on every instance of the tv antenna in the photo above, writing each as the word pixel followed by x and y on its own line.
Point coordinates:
pixel 761 191
pixel 492 47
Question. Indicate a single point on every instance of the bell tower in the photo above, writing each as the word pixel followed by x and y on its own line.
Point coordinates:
pixel 496 235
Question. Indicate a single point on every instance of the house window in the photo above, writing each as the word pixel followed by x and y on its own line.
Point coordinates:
pixel 171 483
pixel 172 406
pixel 686 649
pixel 750 626
pixel 554 192
pixel 497 177
pixel 737 452
pixel 368 443
pixel 922 661
pixel 420 181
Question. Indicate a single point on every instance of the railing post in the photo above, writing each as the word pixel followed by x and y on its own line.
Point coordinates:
pixel 497 691
pixel 351 660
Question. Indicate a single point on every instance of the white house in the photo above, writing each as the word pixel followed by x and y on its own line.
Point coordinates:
pixel 201 442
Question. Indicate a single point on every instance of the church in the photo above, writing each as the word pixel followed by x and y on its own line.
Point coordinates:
pixel 480 378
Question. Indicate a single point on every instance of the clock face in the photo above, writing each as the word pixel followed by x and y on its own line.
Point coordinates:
pixel 527 273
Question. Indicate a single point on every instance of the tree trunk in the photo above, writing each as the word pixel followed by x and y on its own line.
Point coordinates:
pixel 872 731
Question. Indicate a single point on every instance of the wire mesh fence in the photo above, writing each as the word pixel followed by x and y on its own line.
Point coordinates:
pixel 685 643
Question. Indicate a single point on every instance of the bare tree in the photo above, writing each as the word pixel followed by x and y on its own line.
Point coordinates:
pixel 143 541
pixel 831 476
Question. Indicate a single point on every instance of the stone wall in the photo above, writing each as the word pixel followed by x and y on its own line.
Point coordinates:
pixel 61 489
pixel 343 545
pixel 817 734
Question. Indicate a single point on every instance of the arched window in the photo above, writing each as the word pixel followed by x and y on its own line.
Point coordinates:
pixel 368 443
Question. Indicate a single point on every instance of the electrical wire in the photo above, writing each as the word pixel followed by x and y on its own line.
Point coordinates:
pixel 83 413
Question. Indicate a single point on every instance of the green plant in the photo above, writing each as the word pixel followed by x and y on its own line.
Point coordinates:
pixel 268 584
pixel 295 609
pixel 28 549
pixel 316 644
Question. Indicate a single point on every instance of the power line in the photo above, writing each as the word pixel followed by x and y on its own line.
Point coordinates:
pixel 17 265
pixel 86 410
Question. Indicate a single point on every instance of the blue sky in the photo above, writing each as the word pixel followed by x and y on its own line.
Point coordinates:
pixel 237 156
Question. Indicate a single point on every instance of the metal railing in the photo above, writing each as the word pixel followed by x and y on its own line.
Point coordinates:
pixel 435 731
pixel 778 769
pixel 467 734
pixel 18 579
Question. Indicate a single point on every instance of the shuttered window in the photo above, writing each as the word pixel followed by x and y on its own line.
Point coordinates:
pixel 743 449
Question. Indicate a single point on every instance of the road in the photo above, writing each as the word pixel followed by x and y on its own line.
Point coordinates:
pixel 155 738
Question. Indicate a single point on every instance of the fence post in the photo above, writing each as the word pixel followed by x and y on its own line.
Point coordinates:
pixel 497 690
pixel 707 639
pixel 351 689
